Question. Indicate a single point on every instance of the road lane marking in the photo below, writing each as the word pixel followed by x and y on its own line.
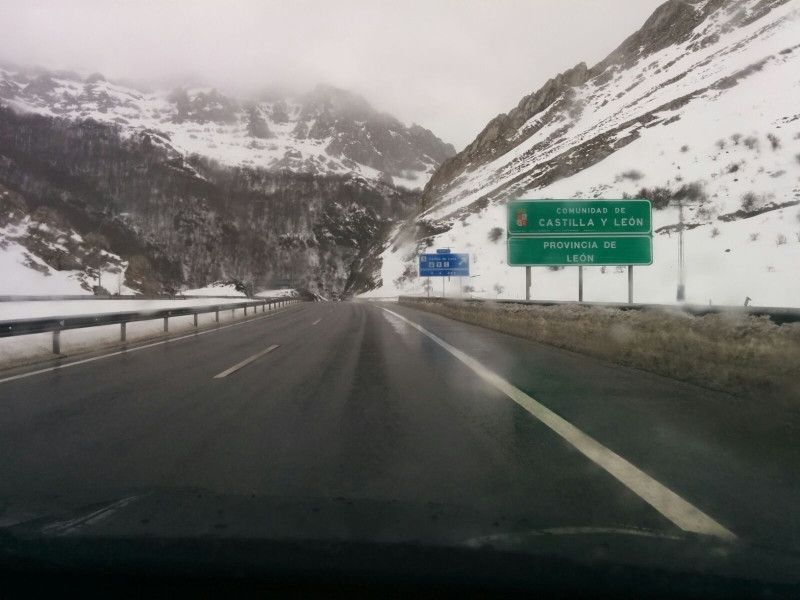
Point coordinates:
pixel 522 536
pixel 129 350
pixel 317 321
pixel 62 527
pixel 683 514
pixel 245 362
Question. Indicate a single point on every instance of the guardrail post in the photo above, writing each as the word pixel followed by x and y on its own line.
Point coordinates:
pixel 245 310
pixel 195 320
pixel 57 341
pixel 263 307
pixel 166 324
pixel 123 334
pixel 216 315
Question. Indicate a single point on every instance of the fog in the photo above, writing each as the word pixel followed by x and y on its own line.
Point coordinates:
pixel 448 65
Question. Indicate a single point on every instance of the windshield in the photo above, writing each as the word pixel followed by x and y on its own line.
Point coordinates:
pixel 482 279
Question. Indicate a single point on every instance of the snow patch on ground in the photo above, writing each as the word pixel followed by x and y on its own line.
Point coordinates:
pixel 16 278
pixel 281 293
pixel 216 290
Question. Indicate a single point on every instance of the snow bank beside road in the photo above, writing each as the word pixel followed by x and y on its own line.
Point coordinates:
pixel 216 290
pixel 58 308
pixel 283 293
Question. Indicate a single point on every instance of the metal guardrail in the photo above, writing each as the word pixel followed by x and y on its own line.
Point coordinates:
pixel 56 325
pixel 45 298
pixel 777 315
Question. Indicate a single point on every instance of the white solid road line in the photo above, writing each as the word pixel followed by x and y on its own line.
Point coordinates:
pixel 317 321
pixel 245 362
pixel 129 350
pixel 668 503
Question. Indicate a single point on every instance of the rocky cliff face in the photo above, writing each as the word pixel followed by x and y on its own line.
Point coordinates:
pixel 574 116
pixel 191 187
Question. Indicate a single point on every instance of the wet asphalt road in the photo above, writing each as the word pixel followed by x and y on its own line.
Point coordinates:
pixel 356 403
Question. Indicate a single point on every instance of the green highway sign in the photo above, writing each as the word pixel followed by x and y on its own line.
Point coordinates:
pixel 580 250
pixel 568 217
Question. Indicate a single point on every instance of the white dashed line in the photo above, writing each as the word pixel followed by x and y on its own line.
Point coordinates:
pixel 245 362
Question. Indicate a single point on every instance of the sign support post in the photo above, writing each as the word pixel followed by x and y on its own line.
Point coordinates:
pixel 630 284
pixel 527 283
pixel 580 284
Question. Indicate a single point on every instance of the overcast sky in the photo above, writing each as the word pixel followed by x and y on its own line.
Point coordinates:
pixel 449 65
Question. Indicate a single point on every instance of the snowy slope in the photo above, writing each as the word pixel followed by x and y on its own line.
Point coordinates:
pixel 24 273
pixel 26 240
pixel 327 131
pixel 712 120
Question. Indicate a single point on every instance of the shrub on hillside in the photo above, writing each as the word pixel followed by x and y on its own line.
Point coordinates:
pixel 751 142
pixel 692 192
pixel 749 201
pixel 633 175
pixel 659 196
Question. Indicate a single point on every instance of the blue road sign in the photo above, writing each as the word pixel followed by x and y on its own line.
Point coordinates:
pixel 444 265
pixel 443 251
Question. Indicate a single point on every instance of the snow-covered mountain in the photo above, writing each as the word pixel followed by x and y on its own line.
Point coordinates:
pixel 162 190
pixel 701 106
pixel 325 131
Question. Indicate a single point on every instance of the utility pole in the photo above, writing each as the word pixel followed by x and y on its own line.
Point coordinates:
pixel 681 276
